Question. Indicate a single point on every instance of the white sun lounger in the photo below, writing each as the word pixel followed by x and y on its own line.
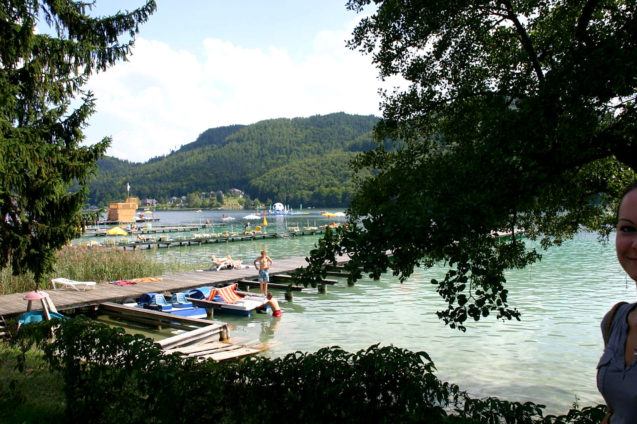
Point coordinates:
pixel 77 285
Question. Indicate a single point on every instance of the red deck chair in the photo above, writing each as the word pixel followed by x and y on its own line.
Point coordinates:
pixel 228 293
pixel 213 293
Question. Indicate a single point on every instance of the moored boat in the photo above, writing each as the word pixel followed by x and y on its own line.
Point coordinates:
pixel 228 300
pixel 178 305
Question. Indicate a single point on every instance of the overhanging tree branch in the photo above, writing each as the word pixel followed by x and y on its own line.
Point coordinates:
pixel 584 19
pixel 525 40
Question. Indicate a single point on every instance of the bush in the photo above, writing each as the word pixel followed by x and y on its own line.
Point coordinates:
pixel 110 376
pixel 29 391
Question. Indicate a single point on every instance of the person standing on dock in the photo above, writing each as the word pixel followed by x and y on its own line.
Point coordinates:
pixel 263 264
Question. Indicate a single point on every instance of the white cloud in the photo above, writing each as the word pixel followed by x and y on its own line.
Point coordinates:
pixel 163 98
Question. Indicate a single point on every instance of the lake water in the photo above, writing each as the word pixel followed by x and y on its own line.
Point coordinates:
pixel 549 357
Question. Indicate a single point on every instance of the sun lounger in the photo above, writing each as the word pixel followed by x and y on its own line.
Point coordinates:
pixel 77 285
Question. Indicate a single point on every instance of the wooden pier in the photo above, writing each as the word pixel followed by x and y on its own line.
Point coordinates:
pixel 68 299
pixel 150 242
pixel 101 232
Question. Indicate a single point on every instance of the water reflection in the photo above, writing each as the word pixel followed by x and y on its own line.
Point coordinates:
pixel 268 328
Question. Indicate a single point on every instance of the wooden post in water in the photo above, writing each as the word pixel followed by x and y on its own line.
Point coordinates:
pixel 288 293
pixel 322 288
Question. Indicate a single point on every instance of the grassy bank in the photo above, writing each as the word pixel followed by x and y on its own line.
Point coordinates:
pixel 92 264
pixel 34 395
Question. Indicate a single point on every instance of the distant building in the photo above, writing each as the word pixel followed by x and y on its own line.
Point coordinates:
pixel 149 202
pixel 124 211
pixel 235 192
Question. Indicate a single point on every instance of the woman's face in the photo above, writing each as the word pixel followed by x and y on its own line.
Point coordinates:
pixel 626 238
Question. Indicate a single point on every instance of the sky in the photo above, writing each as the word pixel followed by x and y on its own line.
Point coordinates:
pixel 200 64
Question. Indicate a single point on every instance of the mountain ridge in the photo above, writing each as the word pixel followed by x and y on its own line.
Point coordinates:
pixel 291 160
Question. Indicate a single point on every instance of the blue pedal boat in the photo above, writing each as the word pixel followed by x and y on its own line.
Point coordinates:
pixel 177 306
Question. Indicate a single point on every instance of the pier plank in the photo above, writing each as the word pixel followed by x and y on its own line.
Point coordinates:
pixel 254 283
pixel 194 336
pixel 337 274
pixel 220 356
pixel 287 277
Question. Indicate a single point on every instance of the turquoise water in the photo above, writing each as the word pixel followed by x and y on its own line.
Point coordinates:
pixel 548 357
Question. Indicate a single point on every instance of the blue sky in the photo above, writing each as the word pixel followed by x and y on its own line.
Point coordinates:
pixel 201 64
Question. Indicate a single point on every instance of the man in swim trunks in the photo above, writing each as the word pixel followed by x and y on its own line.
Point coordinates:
pixel 263 264
pixel 274 304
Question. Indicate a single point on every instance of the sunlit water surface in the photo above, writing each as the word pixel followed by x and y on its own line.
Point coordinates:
pixel 548 357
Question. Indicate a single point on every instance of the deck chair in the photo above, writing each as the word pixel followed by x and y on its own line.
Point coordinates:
pixel 157 302
pixel 77 285
pixel 178 300
pixel 211 294
pixel 228 293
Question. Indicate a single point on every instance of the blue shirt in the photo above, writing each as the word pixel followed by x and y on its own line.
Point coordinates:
pixel 615 381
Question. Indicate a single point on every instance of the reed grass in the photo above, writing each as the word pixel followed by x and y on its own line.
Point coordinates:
pixel 92 263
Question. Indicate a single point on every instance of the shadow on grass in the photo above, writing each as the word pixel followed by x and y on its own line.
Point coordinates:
pixel 35 395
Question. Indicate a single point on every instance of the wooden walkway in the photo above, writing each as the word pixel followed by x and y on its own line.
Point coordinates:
pixel 150 242
pixel 64 299
pixel 101 232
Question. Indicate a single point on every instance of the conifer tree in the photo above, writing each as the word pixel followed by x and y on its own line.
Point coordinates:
pixel 42 154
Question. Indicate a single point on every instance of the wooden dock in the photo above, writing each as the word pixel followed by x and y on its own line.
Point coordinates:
pixel 67 299
pixel 101 232
pixel 150 242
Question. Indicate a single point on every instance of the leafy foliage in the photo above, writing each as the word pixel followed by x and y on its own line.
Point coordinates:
pixel 301 160
pixel 33 394
pixel 41 153
pixel 519 116
pixel 110 376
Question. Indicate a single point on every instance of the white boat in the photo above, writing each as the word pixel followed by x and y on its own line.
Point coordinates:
pixel 227 218
pixel 280 209
pixel 252 217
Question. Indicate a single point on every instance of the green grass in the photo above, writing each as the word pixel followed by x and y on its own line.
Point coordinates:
pixel 98 264
pixel 34 395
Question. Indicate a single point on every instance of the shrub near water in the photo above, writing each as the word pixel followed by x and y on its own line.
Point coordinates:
pixel 90 264
pixel 127 379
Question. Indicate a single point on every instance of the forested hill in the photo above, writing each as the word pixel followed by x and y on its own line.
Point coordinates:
pixel 300 160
